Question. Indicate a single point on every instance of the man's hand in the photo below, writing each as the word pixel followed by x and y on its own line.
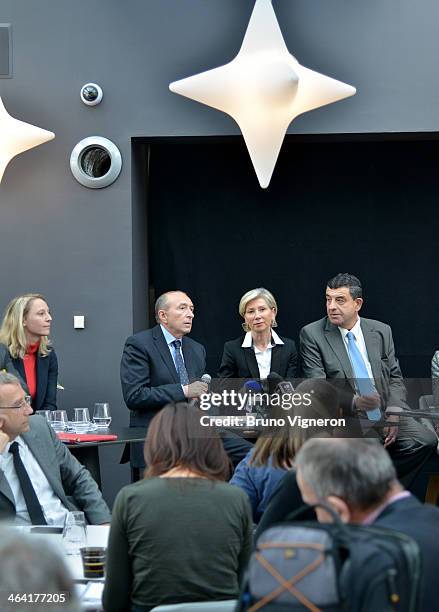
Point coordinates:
pixel 195 389
pixel 4 440
pixel 367 402
pixel 391 432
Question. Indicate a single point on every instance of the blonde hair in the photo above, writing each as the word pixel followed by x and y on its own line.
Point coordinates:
pixel 12 330
pixel 254 294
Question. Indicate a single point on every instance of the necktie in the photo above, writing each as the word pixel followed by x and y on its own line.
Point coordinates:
pixel 181 368
pixel 30 497
pixel 364 384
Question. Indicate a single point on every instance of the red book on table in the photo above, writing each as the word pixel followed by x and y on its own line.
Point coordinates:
pixel 74 437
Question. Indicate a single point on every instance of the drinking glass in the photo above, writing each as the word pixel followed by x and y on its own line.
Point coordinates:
pixel 102 415
pixel 81 420
pixel 58 420
pixel 74 533
pixel 44 413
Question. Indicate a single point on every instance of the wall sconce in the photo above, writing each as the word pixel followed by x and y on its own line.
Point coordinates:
pixel 263 89
pixel 17 136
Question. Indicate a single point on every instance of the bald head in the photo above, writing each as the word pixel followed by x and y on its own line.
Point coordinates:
pixel 175 311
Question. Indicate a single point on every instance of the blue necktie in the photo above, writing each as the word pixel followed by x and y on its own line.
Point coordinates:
pixel 364 384
pixel 179 363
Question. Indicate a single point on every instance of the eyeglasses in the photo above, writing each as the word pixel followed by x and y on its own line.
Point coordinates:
pixel 26 402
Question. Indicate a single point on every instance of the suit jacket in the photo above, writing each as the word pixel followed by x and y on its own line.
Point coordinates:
pixel 6 364
pixel 421 522
pixel 69 479
pixel 323 355
pixel 149 377
pixel 240 362
pixel 47 380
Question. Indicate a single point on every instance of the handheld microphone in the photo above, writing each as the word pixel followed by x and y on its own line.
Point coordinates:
pixel 206 378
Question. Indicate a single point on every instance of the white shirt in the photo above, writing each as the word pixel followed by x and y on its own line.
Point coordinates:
pixel 361 345
pixel 263 358
pixel 54 511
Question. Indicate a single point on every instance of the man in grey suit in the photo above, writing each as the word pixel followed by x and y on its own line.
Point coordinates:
pixel 40 480
pixel 359 355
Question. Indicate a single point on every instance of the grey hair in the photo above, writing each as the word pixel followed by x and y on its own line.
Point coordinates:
pixel 9 379
pixel 254 294
pixel 162 302
pixel 359 471
pixel 28 564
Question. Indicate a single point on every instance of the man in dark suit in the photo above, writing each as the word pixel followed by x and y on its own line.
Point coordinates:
pixel 357 479
pixel 40 480
pixel 161 365
pixel 359 355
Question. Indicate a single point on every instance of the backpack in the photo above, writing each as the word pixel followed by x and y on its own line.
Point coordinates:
pixel 331 567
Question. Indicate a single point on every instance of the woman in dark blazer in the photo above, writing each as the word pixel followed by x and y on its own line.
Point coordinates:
pixel 24 331
pixel 261 351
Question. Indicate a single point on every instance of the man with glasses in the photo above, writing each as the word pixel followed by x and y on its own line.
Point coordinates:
pixel 40 481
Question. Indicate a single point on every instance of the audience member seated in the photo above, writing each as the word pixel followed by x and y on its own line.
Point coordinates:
pixel 357 478
pixel 30 565
pixel 25 330
pixel 181 534
pixel 40 480
pixel 263 469
pixel 261 351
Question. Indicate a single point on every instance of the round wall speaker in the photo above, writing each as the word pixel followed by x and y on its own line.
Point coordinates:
pixel 95 162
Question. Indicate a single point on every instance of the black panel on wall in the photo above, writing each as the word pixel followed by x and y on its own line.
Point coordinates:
pixel 370 208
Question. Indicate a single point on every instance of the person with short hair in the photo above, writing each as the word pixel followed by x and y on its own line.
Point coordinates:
pixel 40 480
pixel 161 365
pixel 261 351
pixel 25 332
pixel 358 354
pixel 31 565
pixel 181 534
pixel 357 479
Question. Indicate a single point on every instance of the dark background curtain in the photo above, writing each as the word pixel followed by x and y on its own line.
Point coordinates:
pixel 369 208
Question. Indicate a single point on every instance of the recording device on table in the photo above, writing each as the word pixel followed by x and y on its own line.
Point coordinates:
pixel 277 385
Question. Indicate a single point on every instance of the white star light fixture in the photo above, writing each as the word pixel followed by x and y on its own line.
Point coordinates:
pixel 17 136
pixel 263 89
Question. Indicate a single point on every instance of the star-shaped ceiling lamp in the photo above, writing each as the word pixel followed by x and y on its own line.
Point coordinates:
pixel 17 136
pixel 264 88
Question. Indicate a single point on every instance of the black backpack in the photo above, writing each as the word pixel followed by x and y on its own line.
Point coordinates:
pixel 331 567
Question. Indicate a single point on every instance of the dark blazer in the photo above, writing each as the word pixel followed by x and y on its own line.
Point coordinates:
pixel 421 522
pixel 6 364
pixel 149 378
pixel 70 481
pixel 47 380
pixel 323 355
pixel 240 362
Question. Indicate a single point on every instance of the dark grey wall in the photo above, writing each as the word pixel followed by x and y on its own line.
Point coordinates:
pixel 74 244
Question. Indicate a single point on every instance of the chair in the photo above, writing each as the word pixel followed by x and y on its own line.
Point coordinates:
pixel 228 605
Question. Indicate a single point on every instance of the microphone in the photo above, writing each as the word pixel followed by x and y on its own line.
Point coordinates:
pixel 206 378
pixel 252 386
pixel 277 385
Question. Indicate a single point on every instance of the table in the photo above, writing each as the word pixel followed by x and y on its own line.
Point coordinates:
pixel 97 535
pixel 87 453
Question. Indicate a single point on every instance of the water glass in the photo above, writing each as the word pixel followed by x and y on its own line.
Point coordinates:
pixel 44 413
pixel 58 420
pixel 93 561
pixel 102 415
pixel 74 533
pixel 81 420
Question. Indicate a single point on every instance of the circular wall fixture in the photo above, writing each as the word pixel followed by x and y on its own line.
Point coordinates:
pixel 91 94
pixel 95 162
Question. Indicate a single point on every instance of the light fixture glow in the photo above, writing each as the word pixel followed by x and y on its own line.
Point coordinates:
pixel 17 136
pixel 263 89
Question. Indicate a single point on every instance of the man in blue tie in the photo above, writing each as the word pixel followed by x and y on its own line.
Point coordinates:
pixel 160 365
pixel 359 355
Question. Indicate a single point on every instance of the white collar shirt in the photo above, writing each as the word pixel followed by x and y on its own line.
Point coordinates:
pixel 263 358
pixel 53 509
